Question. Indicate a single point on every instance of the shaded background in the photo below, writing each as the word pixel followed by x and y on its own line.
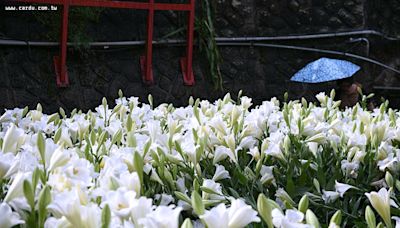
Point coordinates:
pixel 27 76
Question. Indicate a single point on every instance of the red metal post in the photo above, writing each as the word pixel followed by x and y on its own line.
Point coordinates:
pixel 61 61
pixel 187 61
pixel 146 61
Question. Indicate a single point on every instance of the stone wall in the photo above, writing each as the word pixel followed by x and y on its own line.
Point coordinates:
pixel 282 17
pixel 27 73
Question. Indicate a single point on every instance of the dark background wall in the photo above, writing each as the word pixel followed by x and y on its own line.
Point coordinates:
pixel 27 76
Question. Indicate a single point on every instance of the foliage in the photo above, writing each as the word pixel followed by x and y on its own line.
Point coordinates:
pixel 208 45
pixel 79 19
pixel 221 164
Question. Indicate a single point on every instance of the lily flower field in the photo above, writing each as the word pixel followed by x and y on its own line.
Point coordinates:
pixel 222 164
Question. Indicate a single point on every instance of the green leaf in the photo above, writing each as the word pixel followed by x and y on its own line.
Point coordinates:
pixel 25 111
pixel 41 144
pixel 62 113
pixel 102 138
pixel 129 123
pixel 57 135
pixel 53 118
pixel 197 203
pixel 105 217
pixel 29 194
pixel 240 177
pixel 35 179
pixel 117 137
pixel 138 165
pixel 44 200
pixel 146 147
pixel 183 197
pixel 209 190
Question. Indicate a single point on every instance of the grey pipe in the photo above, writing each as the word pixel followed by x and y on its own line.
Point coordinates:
pixel 305 37
pixel 234 41
pixel 218 39
pixel 362 39
pixel 91 44
pixel 313 50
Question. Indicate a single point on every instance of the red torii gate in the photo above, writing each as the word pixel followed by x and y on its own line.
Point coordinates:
pixel 146 59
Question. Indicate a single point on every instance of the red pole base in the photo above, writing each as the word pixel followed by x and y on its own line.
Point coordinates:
pixel 57 69
pixel 188 77
pixel 147 79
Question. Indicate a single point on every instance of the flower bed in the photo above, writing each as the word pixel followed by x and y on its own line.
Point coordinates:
pixel 218 164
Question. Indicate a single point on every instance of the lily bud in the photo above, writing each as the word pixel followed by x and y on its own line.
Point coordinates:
pixel 303 204
pixel 389 179
pixel 265 207
pixel 316 185
pixel 370 217
pixel 312 219
pixel 337 218
pixel 187 223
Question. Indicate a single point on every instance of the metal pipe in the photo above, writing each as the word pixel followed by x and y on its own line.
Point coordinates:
pixel 91 44
pixel 305 37
pixel 235 41
pixel 386 88
pixel 313 50
pixel 362 39
pixel 218 39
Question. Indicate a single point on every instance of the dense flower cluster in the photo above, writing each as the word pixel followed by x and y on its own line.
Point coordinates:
pixel 221 164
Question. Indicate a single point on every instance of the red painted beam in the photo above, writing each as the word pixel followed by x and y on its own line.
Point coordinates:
pixel 146 60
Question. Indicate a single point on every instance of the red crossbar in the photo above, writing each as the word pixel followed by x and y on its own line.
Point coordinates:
pixel 145 60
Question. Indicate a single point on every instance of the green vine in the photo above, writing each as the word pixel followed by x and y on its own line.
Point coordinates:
pixel 208 45
pixel 79 19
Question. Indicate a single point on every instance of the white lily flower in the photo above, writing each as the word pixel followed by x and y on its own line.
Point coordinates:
pixel 267 175
pixel 73 205
pixel 321 97
pixel 130 181
pixel 381 202
pixel 162 217
pixel 52 222
pixel 220 153
pixel 217 217
pixel 240 214
pixel 220 173
pixel 59 158
pixel 6 160
pixel 215 187
pixel 80 171
pixel 342 188
pixel 330 196
pixel 237 216
pixel 291 219
pixel 313 147
pixel 13 139
pixel 140 208
pixel 121 202
pixel 65 138
pixel 397 219
pixel 8 218
pixel 16 189
pixel 255 153
pixel 390 162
